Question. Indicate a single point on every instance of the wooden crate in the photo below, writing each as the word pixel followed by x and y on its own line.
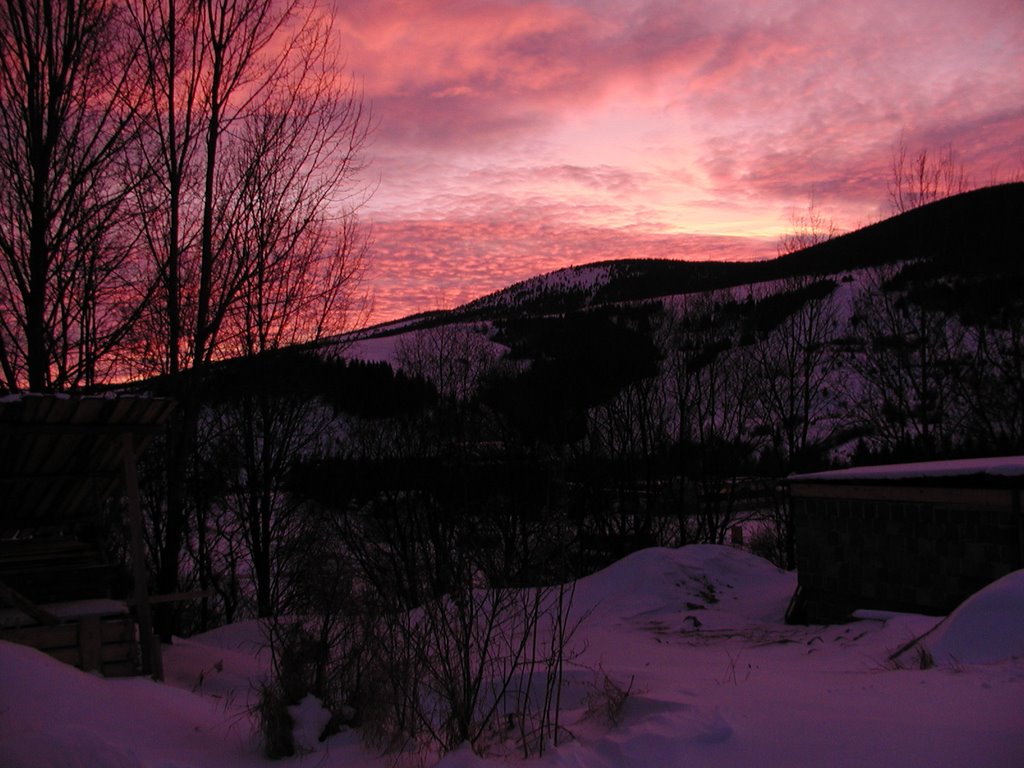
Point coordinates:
pixel 91 643
pixel 52 570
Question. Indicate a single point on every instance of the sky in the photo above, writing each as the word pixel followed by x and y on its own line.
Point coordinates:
pixel 515 137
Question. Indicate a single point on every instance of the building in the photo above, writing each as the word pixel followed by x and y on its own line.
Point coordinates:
pixel 905 537
pixel 67 474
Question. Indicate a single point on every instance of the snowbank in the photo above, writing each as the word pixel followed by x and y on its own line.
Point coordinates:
pixel 739 586
pixel 52 714
pixel 694 635
pixel 987 628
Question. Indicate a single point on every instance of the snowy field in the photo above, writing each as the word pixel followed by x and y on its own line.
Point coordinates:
pixel 695 635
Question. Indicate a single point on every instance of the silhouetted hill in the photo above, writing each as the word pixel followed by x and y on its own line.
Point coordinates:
pixel 975 231
pixel 978 232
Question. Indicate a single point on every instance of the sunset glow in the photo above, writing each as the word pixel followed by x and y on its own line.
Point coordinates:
pixel 519 136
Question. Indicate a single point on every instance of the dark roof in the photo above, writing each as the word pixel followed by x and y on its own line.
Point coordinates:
pixel 1001 470
pixel 61 455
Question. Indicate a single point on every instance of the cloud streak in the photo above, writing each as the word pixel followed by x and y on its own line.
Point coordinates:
pixel 424 265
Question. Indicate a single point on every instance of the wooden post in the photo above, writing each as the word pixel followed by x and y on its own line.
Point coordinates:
pixel 152 663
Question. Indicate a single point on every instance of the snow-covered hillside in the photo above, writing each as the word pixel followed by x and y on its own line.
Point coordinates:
pixel 381 343
pixel 694 635
pixel 584 281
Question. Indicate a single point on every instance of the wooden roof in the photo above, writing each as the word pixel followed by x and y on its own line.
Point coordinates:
pixel 61 455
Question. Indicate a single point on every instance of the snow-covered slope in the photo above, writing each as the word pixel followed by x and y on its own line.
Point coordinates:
pixel 987 628
pixel 695 635
pixel 561 286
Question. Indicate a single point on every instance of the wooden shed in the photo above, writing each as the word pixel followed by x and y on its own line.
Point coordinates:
pixel 905 537
pixel 65 462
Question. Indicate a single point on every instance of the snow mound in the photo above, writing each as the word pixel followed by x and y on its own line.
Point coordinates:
pixel 987 628
pixel 220 661
pixel 463 757
pixel 52 714
pixel 659 580
pixel 73 747
pixel 310 720
pixel 673 722
pixel 248 636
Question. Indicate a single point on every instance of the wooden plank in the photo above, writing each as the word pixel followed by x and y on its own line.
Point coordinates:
pixel 152 664
pixel 1018 513
pixel 89 642
pixel 35 548
pixel 120 656
pixel 59 584
pixel 118 631
pixel 66 634
pixel 52 477
pixel 120 669
pixel 959 497
pixel 114 652
pixel 74 428
pixel 108 653
pixel 177 597
pixel 72 656
pixel 43 638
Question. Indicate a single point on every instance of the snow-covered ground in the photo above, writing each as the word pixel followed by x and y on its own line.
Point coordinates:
pixel 377 349
pixel 715 678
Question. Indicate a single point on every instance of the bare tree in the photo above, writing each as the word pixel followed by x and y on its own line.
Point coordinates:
pixel 207 72
pixel 66 111
pixel 256 435
pixel 799 387
pixel 924 178
pixel 712 381
pixel 992 384
pixel 809 228
pixel 453 658
pixel 453 357
pixel 904 391
pixel 797 361
pixel 628 437
pixel 303 268
pixel 252 141
pixel 798 374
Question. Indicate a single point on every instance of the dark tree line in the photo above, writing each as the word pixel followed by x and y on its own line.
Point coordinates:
pixel 586 436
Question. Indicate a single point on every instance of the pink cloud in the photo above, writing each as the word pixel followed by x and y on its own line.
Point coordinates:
pixel 647 117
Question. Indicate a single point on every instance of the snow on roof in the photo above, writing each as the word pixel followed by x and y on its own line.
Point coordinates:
pixel 1002 466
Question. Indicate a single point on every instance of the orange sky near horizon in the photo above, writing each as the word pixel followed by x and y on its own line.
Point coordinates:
pixel 514 137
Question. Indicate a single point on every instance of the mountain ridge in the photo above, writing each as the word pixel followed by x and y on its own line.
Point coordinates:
pixel 979 222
